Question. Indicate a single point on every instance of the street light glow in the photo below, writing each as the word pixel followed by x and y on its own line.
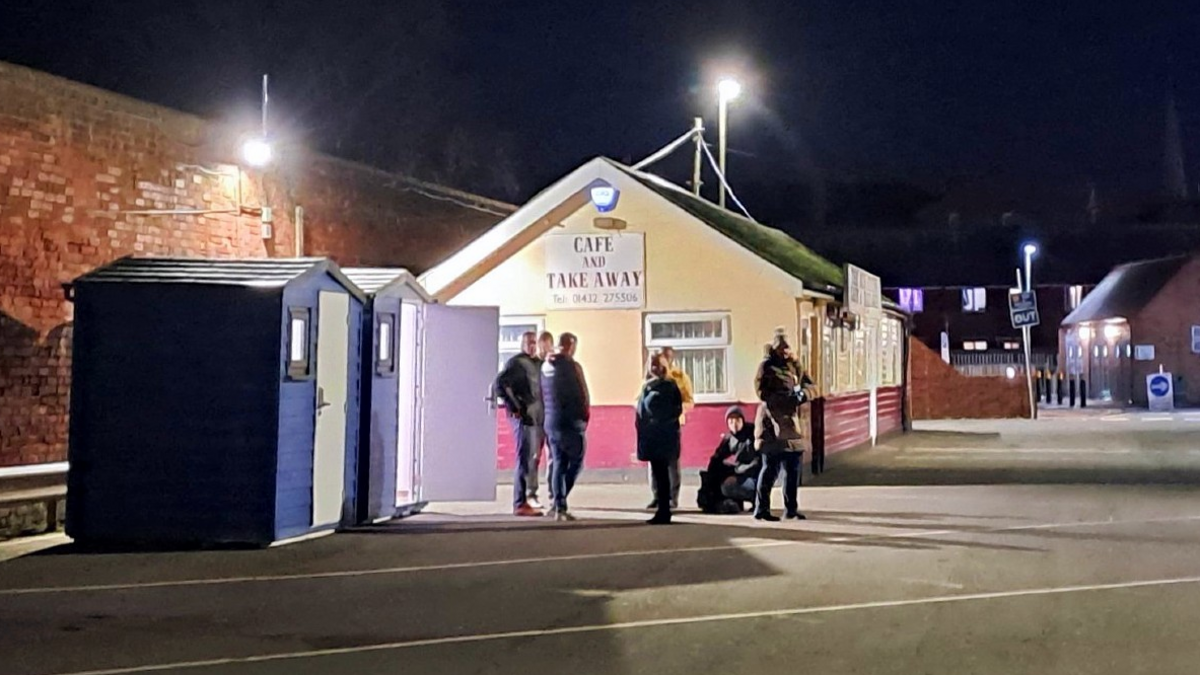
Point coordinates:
pixel 1112 332
pixel 729 89
pixel 1030 249
pixel 256 152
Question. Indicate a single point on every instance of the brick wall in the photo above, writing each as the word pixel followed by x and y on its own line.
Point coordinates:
pixel 76 162
pixel 1166 322
pixel 938 391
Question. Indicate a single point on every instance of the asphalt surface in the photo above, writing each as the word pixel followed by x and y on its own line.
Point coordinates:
pixel 1069 545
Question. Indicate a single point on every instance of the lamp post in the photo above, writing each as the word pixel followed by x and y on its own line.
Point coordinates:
pixel 727 90
pixel 1029 250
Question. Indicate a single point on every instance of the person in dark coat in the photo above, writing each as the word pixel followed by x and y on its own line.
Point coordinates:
pixel 659 407
pixel 567 412
pixel 732 474
pixel 519 386
pixel 782 387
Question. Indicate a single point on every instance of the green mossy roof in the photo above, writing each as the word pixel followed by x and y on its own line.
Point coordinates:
pixel 770 244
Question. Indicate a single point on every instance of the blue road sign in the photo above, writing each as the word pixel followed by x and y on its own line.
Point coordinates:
pixel 1023 309
pixel 1160 385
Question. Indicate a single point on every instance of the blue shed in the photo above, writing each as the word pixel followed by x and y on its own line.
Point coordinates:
pixel 213 401
pixel 428 427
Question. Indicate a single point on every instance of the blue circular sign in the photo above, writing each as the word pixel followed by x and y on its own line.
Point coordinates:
pixel 1160 385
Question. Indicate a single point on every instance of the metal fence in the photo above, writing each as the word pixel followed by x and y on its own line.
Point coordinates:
pixel 996 364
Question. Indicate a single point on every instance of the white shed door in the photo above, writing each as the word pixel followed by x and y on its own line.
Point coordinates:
pixel 458 416
pixel 329 445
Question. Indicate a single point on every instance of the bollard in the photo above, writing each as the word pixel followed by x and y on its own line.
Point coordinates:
pixel 1082 393
pixel 1058 384
pixel 1049 386
pixel 1071 386
pixel 817 433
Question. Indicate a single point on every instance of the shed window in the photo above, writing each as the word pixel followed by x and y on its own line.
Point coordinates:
pixel 701 343
pixel 385 344
pixel 299 343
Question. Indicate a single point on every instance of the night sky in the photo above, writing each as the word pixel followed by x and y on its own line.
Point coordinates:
pixel 1034 100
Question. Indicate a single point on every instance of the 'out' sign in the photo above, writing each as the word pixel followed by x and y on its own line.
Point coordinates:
pixel 596 271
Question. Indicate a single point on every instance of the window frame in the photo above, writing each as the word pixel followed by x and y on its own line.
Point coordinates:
pixel 509 349
pixel 386 367
pixel 299 369
pixel 978 293
pixel 723 344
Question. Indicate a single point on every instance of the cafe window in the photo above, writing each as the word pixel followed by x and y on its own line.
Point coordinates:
pixel 828 358
pixel 701 343
pixel 892 352
pixel 845 359
pixel 511 330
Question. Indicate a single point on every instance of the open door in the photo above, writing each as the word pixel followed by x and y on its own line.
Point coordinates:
pixel 329 442
pixel 458 415
pixel 406 420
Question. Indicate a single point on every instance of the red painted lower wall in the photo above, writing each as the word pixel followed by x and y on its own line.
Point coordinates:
pixel 611 440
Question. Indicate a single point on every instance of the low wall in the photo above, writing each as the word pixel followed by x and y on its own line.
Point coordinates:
pixel 938 391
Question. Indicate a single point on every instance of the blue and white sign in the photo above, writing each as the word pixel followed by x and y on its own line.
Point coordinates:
pixel 1023 309
pixel 604 196
pixel 912 300
pixel 1160 391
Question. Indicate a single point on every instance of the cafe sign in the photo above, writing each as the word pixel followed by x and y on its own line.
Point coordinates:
pixel 596 271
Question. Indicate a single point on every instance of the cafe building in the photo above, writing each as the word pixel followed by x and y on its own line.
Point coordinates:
pixel 632 263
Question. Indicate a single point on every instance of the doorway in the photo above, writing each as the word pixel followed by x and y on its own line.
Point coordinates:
pixel 329 442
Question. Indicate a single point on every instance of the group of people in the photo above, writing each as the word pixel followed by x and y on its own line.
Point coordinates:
pixel 545 394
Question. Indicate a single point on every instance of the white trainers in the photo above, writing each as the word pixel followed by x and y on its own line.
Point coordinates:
pixel 563 516
pixel 533 501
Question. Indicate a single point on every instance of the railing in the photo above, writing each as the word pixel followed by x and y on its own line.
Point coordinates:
pixel 996 364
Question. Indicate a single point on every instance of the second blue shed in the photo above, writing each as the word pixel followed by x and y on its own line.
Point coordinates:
pixel 213 401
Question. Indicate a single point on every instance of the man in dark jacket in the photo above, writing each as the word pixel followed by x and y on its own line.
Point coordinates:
pixel 519 385
pixel 568 410
pixel 783 388
pixel 659 407
pixel 732 474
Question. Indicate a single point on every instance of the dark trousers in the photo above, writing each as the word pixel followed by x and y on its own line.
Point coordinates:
pixel 772 463
pixel 527 440
pixel 740 488
pixel 567 448
pixel 660 473
pixel 673 488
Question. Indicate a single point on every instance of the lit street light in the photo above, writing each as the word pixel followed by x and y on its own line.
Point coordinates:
pixel 727 90
pixel 257 152
pixel 1030 250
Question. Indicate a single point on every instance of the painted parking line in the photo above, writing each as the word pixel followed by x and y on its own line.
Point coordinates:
pixel 650 623
pixel 341 574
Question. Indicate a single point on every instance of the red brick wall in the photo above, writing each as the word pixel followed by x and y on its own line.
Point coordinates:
pixel 75 159
pixel 938 391
pixel 1166 322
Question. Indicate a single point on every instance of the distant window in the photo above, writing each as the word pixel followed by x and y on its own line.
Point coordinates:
pixel 385 344
pixel 1012 345
pixel 912 300
pixel 299 343
pixel 975 346
pixel 974 300
pixel 1074 297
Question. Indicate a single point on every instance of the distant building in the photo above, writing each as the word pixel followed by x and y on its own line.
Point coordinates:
pixel 982 340
pixel 1142 316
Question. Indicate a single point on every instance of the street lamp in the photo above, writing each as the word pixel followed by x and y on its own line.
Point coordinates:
pixel 257 152
pixel 727 90
pixel 1030 250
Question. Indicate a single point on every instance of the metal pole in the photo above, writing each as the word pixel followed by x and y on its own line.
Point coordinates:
pixel 1028 359
pixel 722 115
pixel 697 160
pixel 264 107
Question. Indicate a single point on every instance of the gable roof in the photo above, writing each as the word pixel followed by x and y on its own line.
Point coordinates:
pixel 768 244
pixel 374 280
pixel 1126 290
pixel 249 272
